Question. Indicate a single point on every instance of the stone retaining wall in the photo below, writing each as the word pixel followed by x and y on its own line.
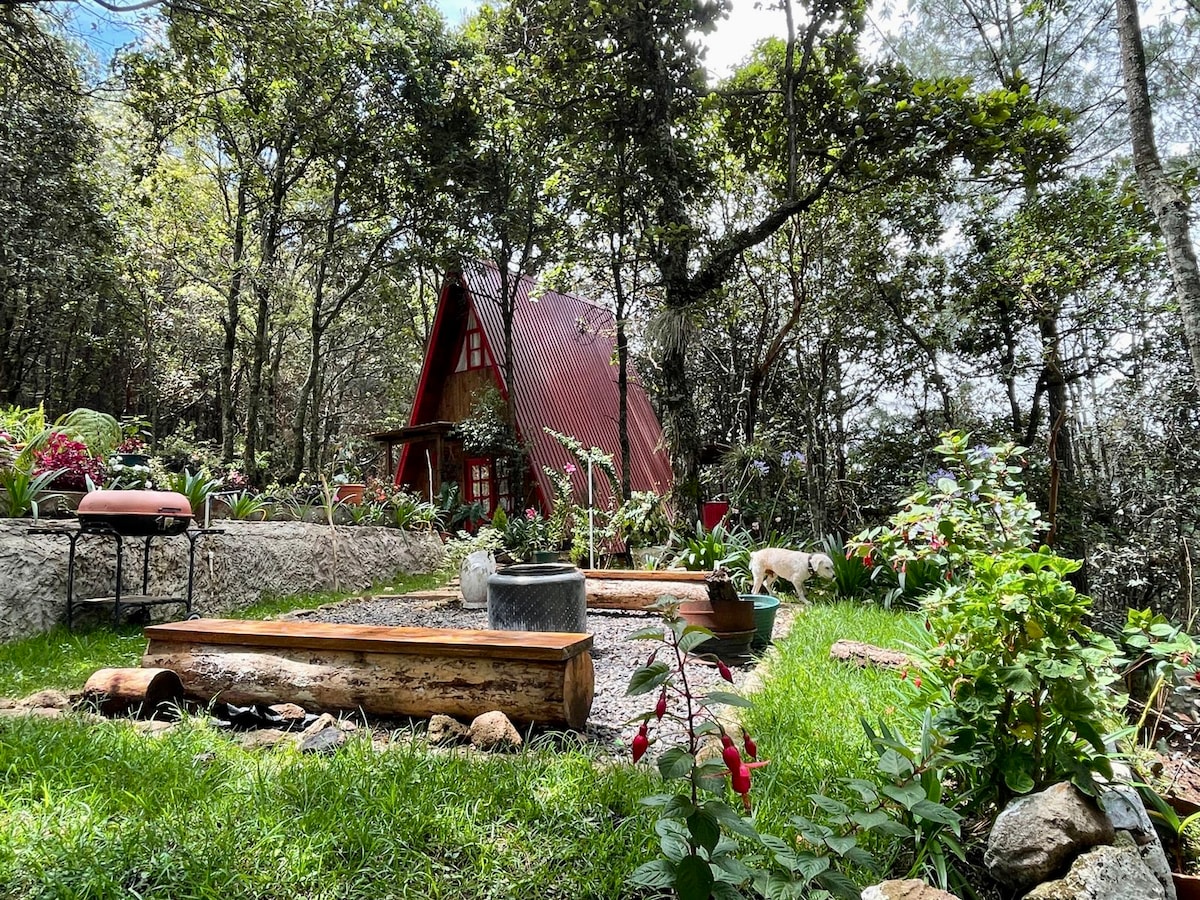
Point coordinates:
pixel 233 569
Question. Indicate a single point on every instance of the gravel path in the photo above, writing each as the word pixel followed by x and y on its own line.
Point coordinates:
pixel 615 656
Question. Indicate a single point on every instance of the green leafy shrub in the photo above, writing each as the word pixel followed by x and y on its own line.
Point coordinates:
pixel 643 520
pixel 196 486
pixel 1155 655
pixel 727 548
pixel 21 490
pixel 1015 676
pixel 971 507
pixel 246 506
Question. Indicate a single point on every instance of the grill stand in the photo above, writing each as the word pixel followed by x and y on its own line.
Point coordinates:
pixel 120 600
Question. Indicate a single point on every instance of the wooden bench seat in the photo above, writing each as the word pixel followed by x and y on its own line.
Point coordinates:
pixel 542 677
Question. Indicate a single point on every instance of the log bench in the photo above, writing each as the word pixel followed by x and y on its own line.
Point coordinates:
pixel 636 589
pixel 541 677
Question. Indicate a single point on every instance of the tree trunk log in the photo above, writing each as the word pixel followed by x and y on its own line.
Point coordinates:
pixel 608 593
pixel 381 671
pixel 115 691
pixel 863 655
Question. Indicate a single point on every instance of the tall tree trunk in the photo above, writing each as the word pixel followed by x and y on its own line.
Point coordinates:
pixel 1164 198
pixel 229 325
pixel 316 331
pixel 262 291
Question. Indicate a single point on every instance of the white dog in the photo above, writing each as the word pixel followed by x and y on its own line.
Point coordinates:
pixel 796 566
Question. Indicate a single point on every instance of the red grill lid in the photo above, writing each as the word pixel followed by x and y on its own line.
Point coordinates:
pixel 135 503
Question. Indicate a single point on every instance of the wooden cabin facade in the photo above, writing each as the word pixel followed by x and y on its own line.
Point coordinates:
pixel 565 379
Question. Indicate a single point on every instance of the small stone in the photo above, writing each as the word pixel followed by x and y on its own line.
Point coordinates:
pixel 325 720
pixel 263 739
pixel 1035 836
pixel 908 889
pixel 45 700
pixel 289 712
pixel 325 741
pixel 493 731
pixel 446 730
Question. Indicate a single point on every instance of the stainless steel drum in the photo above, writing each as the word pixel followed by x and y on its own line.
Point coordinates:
pixel 537 597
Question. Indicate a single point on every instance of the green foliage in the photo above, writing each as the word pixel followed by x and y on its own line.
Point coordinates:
pixel 1016 676
pixel 21 490
pixel 22 425
pixel 99 432
pixel 247 506
pixel 851 576
pixel 196 486
pixel 642 520
pixel 404 510
pixel 728 548
pixel 972 506
pixel 1155 654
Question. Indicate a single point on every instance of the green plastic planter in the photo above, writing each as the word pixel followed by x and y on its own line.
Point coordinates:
pixel 765 607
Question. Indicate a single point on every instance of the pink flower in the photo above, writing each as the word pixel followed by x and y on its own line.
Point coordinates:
pixel 531 513
pixel 569 468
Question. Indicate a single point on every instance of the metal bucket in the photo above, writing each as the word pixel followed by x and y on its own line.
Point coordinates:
pixel 537 597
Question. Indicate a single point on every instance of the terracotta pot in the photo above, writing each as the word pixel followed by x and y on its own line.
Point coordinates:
pixel 1187 887
pixel 350 494
pixel 729 616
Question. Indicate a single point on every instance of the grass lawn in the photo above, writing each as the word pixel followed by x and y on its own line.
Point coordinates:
pixel 100 811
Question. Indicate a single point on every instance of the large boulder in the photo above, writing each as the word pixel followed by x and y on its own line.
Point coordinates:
pixel 1038 835
pixel 1104 873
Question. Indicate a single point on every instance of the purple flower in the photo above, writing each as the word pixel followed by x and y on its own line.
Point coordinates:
pixel 935 477
pixel 791 456
pixel 760 467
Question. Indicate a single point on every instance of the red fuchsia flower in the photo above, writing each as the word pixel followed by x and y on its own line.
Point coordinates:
pixel 741 784
pixel 868 561
pixel 660 708
pixel 729 753
pixel 641 743
pixel 748 743
pixel 725 672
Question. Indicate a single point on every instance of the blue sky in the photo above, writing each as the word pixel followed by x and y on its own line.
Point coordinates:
pixel 106 32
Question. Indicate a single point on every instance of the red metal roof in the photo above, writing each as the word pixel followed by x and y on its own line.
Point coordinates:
pixel 566 379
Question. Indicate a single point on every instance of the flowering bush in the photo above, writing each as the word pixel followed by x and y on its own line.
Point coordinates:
pixel 75 465
pixel 526 533
pixel 972 505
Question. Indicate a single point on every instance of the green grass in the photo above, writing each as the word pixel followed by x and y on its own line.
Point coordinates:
pixel 805 718
pixel 64 660
pixel 101 811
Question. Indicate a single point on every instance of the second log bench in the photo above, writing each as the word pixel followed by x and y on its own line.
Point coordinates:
pixel 542 677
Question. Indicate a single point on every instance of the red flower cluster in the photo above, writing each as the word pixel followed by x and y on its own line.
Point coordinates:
pixel 73 459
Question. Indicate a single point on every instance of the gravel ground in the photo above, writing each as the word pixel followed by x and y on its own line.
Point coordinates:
pixel 615 657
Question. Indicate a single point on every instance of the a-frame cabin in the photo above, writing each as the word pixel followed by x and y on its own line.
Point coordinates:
pixel 566 380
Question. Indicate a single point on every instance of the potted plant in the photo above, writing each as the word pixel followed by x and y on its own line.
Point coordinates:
pixel 643 523
pixel 76 471
pixel 347 481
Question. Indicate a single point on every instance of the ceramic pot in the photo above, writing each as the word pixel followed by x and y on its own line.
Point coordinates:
pixel 473 578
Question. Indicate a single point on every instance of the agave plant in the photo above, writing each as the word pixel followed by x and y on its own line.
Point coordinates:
pixel 21 490
pixel 197 487
pixel 245 506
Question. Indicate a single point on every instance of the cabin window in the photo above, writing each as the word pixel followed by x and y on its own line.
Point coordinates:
pixel 479 483
pixel 472 355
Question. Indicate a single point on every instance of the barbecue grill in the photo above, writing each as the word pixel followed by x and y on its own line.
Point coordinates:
pixel 135 513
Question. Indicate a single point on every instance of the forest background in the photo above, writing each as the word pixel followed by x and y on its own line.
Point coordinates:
pixel 881 224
